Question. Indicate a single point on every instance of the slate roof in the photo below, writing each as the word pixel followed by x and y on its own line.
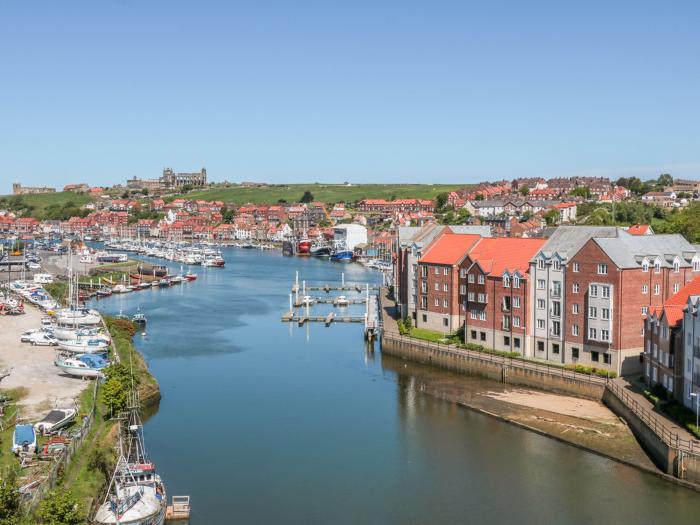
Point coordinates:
pixel 628 251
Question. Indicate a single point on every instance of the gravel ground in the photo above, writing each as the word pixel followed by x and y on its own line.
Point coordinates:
pixel 32 368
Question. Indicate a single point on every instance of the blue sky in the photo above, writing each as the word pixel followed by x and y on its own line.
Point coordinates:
pixel 366 91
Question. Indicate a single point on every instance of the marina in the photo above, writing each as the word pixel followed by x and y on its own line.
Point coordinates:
pixel 381 435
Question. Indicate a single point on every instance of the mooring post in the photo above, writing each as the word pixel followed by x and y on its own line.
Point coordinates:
pixel 303 284
pixel 342 277
pixel 296 280
pixel 290 302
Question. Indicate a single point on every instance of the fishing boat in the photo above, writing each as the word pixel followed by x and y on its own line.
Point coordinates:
pixel 155 271
pixel 139 317
pixel 24 439
pixel 341 256
pixel 88 346
pixel 164 283
pixel 136 493
pixel 82 365
pixel 54 420
pixel 303 247
pixel 189 276
pixel 320 250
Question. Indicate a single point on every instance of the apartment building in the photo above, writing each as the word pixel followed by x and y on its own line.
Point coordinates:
pixel 664 356
pixel 438 281
pixel 493 292
pixel 691 348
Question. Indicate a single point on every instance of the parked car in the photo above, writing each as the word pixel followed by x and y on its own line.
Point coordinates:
pixel 43 339
pixel 33 266
pixel 26 336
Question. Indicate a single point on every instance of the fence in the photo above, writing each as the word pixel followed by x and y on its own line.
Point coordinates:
pixel 65 458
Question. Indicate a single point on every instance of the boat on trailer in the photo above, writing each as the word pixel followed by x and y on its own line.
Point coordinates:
pixel 55 420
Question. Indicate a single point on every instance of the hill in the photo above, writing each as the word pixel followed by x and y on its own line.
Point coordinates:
pixel 322 192
pixel 59 205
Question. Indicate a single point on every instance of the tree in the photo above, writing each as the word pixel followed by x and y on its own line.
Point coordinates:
pixel 114 394
pixel 99 460
pixel 479 197
pixel 624 182
pixel 60 508
pixel 144 191
pixel 125 195
pixel 665 180
pixel 9 500
pixel 441 200
pixel 551 217
pixel 307 197
pixel 524 191
pixel 581 191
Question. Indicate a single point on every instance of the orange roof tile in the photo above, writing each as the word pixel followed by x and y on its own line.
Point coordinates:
pixel 449 248
pixel 495 255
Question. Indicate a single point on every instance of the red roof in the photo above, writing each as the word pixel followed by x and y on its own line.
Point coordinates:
pixel 638 229
pixel 449 248
pixel 496 255
pixel 673 307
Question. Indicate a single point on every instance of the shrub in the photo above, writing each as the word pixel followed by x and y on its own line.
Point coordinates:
pixel 60 508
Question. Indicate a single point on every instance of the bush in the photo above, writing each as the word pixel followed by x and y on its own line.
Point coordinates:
pixel 61 508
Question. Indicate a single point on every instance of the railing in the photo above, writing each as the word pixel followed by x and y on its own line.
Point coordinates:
pixel 672 439
pixel 542 368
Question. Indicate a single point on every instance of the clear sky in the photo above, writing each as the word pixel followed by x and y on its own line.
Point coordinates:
pixel 365 91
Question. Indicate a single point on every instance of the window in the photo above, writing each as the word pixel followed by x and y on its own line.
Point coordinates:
pixel 424 287
pixel 574 353
pixel 482 336
pixel 676 287
pixel 593 290
pixel 696 265
pixel 592 333
pixel 602 269
pixel 470 279
pixel 676 266
pixel 540 346
pixel 574 308
pixel 506 340
pixel 576 267
pixel 540 324
pixel 594 356
pixel 556 264
pixel 516 281
pixel 645 289
pixel 424 302
pixel 657 266
pixel 480 279
pixel 516 342
pixel 482 315
pixel 555 349
pixel 556 288
pixel 592 312
pixel 604 335
pixel 607 359
pixel 516 321
pixel 471 296
pixel 540 284
pixel 574 329
pixel 645 265
pixel 556 328
pixel 437 287
pixel 516 302
pixel 437 302
pixel 605 292
pixel 463 273
pixel 506 303
pixel 506 281
pixel 645 309
pixel 462 289
pixel 424 271
pixel 482 298
pixel 445 287
pixel 445 322
pixel 473 333
pixel 446 303
pixel 437 271
pixel 506 322
pixel 540 264
pixel 540 304
pixel 425 318
pixel 556 308
pixel 605 313
pixel 473 314
pixel 657 289
pixel 445 271
pixel 574 288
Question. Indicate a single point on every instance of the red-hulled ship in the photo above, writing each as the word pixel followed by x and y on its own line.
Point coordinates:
pixel 304 247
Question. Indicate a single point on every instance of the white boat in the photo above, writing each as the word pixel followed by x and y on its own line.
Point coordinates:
pixel 136 494
pixel 78 317
pixel 341 300
pixel 87 346
pixel 120 288
pixel 54 420
pixel 68 334
pixel 82 365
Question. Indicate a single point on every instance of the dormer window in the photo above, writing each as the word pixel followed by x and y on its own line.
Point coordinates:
pixel 556 264
pixel 657 266
pixel 540 264
pixel 696 265
pixel 676 266
pixel 506 281
pixel 645 265
pixel 516 281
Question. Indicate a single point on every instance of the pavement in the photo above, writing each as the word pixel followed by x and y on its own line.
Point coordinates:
pixel 32 368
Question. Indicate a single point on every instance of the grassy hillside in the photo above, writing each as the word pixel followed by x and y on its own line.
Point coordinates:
pixel 57 205
pixel 323 192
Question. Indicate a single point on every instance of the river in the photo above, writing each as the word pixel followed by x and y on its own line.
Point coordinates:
pixel 266 422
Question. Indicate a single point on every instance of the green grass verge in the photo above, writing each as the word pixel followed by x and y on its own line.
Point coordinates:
pixel 322 192
pixel 42 205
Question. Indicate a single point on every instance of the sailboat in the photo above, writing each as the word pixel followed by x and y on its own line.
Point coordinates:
pixel 136 494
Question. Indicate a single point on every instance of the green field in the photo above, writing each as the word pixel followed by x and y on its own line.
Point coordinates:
pixel 45 205
pixel 322 192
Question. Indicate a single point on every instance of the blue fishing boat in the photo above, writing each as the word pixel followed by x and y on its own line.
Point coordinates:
pixel 24 439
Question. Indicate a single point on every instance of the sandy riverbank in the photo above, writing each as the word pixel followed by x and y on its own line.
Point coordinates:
pixel 32 368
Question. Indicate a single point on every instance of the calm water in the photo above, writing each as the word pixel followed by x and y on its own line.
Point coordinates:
pixel 265 422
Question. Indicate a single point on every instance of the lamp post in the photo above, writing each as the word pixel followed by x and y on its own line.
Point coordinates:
pixel 697 407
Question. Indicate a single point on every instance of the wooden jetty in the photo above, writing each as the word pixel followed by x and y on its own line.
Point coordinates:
pixel 301 318
pixel 179 510
pixel 327 300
